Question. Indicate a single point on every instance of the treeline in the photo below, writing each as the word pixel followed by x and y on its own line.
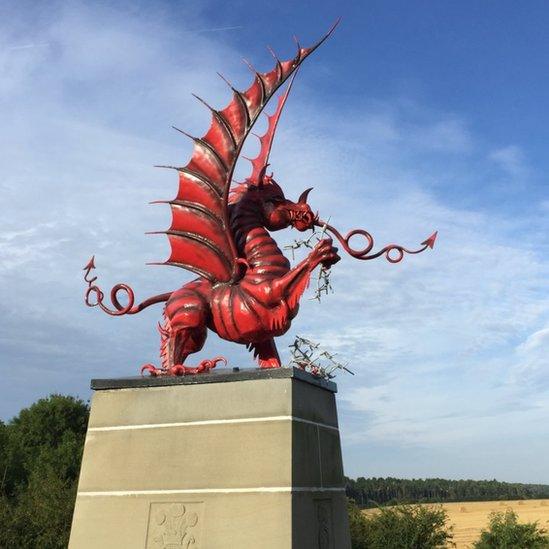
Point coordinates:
pixel 368 492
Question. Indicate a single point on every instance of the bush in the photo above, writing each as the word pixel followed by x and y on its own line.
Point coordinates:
pixel 400 527
pixel 40 453
pixel 505 532
pixel 359 526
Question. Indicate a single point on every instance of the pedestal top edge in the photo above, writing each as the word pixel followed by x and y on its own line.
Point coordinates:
pixel 224 375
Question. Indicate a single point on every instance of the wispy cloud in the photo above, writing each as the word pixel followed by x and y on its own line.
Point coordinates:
pixel 510 159
pixel 29 46
pixel 449 135
pixel 532 360
pixel 216 29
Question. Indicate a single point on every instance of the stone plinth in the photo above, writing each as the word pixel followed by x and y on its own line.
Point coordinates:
pixel 247 459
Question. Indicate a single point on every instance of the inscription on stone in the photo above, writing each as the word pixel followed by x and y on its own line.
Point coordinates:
pixel 174 525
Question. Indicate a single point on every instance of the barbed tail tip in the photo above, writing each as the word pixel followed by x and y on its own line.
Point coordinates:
pixel 430 242
pixel 90 265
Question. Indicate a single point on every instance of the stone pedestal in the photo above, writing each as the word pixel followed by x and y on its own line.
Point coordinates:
pixel 246 459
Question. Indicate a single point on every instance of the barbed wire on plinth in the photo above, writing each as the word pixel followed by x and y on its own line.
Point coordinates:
pixel 310 357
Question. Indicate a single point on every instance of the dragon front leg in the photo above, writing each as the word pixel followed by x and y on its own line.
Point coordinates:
pixel 292 285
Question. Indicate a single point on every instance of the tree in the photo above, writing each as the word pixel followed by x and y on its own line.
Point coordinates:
pixel 3 456
pixel 505 532
pixel 400 527
pixel 40 454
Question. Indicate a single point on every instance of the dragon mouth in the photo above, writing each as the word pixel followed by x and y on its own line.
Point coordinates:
pixel 302 220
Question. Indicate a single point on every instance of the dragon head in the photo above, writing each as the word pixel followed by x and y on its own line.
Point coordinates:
pixel 278 212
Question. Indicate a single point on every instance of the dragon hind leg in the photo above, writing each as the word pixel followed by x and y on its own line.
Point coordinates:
pixel 266 353
pixel 183 333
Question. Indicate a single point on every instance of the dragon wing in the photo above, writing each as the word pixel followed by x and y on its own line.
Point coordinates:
pixel 200 236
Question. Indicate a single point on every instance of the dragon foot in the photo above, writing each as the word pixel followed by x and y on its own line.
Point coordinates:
pixel 266 353
pixel 182 370
pixel 269 363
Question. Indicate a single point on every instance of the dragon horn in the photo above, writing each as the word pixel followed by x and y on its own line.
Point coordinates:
pixel 303 197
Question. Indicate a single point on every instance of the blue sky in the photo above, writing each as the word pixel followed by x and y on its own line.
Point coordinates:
pixel 414 116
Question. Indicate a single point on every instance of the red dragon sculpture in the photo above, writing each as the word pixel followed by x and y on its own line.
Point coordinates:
pixel 246 290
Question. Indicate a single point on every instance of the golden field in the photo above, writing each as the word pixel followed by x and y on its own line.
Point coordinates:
pixel 470 517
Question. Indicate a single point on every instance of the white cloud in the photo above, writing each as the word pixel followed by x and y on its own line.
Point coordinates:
pixel 510 159
pixel 447 136
pixel 532 363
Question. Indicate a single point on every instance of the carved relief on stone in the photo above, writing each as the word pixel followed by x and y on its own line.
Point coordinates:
pixel 323 511
pixel 174 525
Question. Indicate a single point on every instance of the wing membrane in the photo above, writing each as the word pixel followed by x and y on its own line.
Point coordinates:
pixel 200 236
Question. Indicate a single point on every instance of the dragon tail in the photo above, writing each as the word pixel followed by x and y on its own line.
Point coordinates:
pixel 119 309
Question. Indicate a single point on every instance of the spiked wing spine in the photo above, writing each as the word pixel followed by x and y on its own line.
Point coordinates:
pixel 200 236
pixel 266 140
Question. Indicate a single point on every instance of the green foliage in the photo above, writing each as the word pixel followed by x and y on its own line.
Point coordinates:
pixel 505 532
pixel 379 491
pixel 3 455
pixel 358 525
pixel 40 453
pixel 400 527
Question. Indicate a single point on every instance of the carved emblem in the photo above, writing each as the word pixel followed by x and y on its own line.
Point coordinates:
pixel 174 525
pixel 324 522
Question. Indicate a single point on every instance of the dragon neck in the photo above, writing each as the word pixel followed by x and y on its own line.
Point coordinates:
pixel 254 242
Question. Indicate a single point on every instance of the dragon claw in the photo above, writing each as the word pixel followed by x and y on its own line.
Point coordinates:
pixel 152 369
pixel 182 370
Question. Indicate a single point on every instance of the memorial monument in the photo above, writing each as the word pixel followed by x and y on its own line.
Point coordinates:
pixel 197 456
